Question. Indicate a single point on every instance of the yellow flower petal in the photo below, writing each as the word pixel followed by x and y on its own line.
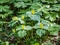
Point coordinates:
pixel 13 30
pixel 33 12
pixel 22 17
pixel 14 18
pixel 41 25
pixel 23 26
pixel 36 44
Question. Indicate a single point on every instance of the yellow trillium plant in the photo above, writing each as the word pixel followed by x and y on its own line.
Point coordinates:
pixel 22 17
pixel 23 26
pixel 28 22
pixel 41 25
pixel 13 30
pixel 33 12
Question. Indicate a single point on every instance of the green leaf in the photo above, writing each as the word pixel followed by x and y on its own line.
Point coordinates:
pixel 47 43
pixel 35 18
pixel 4 1
pixel 20 4
pixel 36 44
pixel 40 32
pixel 22 33
pixel 7 43
pixel 28 28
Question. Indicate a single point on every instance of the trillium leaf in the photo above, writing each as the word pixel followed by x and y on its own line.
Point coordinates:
pixel 40 32
pixel 22 33
pixel 28 28
pixel 35 17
